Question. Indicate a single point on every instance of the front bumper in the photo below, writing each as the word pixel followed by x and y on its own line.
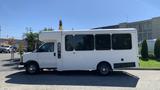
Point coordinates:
pixel 21 63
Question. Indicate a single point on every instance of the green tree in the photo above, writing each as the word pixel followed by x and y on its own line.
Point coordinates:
pixel 157 48
pixel 32 40
pixel 144 50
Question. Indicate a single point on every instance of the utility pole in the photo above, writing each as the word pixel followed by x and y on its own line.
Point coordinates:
pixel 0 32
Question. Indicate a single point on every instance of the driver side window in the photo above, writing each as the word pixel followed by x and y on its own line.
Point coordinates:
pixel 47 47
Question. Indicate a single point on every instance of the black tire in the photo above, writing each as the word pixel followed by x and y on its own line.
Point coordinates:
pixel 32 68
pixel 104 69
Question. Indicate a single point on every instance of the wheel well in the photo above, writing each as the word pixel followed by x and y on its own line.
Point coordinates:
pixel 31 61
pixel 104 62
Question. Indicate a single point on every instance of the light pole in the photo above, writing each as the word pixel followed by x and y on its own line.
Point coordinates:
pixel 0 32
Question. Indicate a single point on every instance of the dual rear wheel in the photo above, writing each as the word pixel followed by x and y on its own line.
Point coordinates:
pixel 104 68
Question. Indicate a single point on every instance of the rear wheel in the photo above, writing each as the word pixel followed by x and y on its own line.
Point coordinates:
pixel 32 68
pixel 104 69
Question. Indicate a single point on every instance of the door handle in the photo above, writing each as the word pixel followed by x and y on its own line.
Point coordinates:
pixel 54 54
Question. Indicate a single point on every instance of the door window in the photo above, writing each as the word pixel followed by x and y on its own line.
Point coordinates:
pixel 59 49
pixel 47 47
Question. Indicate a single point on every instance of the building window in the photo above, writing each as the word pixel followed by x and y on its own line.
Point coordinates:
pixel 84 42
pixel 145 35
pixel 102 42
pixel 139 36
pixel 150 35
pixel 121 41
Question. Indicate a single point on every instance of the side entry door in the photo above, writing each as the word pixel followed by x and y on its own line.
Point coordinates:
pixel 47 55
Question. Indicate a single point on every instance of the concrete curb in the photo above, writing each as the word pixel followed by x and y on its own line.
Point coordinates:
pixel 140 69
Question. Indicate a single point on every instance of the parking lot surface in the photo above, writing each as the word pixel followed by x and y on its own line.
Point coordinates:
pixel 14 78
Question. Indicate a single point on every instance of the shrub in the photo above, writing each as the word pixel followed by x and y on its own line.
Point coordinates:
pixel 157 49
pixel 144 50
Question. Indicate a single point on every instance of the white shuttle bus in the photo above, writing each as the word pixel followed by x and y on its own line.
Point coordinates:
pixel 100 49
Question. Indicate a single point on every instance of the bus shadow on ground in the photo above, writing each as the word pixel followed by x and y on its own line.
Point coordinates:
pixel 12 64
pixel 75 78
pixel 9 62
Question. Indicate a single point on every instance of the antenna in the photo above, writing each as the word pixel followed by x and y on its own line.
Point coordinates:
pixel 126 21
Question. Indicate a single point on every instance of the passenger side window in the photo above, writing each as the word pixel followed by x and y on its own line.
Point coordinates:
pixel 102 42
pixel 69 45
pixel 121 41
pixel 84 42
pixel 47 47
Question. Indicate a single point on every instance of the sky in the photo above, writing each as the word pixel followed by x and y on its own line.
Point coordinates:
pixel 16 15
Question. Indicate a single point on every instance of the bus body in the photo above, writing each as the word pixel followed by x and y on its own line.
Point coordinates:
pixel 85 50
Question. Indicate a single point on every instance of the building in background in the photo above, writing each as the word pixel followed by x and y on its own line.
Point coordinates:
pixel 6 42
pixel 147 29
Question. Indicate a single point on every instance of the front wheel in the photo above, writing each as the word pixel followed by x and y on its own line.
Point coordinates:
pixel 32 68
pixel 104 69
